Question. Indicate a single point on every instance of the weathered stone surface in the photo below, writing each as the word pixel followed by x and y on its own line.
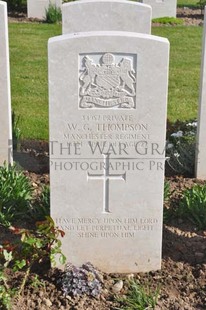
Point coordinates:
pixel 37 8
pixel 201 131
pixel 162 8
pixel 5 95
pixel 106 15
pixel 108 96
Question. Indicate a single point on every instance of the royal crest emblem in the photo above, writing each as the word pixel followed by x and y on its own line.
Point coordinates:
pixel 107 84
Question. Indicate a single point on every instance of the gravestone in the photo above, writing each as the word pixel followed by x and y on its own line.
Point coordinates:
pixel 106 15
pixel 162 8
pixel 5 95
pixel 108 97
pixel 37 8
pixel 200 169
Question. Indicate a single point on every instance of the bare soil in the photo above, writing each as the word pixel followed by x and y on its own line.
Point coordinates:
pixel 191 17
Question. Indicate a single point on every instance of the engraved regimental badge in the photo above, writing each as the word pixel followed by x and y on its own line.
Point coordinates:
pixel 106 82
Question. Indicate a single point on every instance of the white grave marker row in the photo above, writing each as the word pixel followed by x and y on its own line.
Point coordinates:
pixel 37 8
pixel 5 95
pixel 162 8
pixel 201 130
pixel 103 15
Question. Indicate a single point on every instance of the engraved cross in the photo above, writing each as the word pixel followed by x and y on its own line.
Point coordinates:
pixel 106 177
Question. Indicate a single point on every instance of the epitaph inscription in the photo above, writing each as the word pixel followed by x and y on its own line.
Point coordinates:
pixel 107 81
pixel 107 228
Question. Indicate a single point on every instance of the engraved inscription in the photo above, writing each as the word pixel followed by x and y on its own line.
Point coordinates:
pixel 125 228
pixel 107 84
pixel 106 177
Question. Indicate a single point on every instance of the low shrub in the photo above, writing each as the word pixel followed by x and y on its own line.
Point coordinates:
pixel 53 14
pixel 15 193
pixel 193 206
pixel 139 297
pixel 181 147
pixel 32 247
pixel 41 207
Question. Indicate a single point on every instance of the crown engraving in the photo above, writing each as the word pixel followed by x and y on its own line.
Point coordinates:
pixel 107 84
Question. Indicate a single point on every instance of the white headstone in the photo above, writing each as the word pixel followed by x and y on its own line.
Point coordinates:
pixel 162 8
pixel 106 15
pixel 5 95
pixel 37 8
pixel 108 98
pixel 201 130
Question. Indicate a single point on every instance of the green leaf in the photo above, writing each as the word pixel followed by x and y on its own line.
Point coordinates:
pixel 7 255
pixel 19 264
pixel 62 259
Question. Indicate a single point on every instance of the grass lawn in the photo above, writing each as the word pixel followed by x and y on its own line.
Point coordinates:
pixel 184 75
pixel 187 2
pixel 29 76
pixel 28 55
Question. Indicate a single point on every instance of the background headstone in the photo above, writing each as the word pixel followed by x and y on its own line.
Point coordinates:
pixel 201 129
pixel 5 95
pixel 106 15
pixel 162 8
pixel 108 97
pixel 37 8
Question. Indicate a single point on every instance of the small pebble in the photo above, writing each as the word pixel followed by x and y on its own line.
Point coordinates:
pixel 41 294
pixel 117 287
pixel 48 303
pixel 130 276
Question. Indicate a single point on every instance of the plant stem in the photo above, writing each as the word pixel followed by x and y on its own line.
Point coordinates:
pixel 6 285
pixel 24 281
